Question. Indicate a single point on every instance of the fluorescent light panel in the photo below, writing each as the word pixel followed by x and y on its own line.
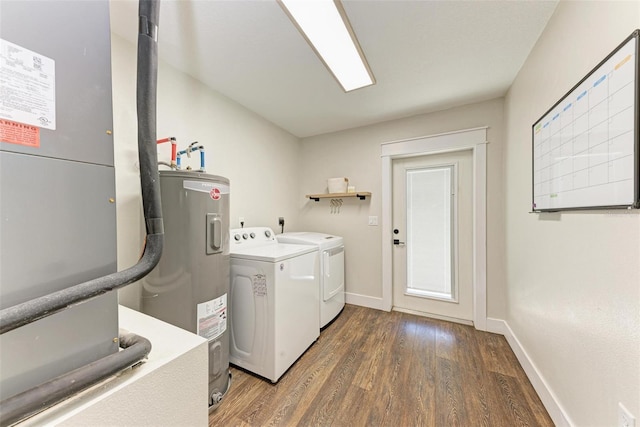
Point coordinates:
pixel 326 27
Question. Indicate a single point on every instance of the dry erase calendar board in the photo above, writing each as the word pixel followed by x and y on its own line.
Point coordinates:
pixel 586 147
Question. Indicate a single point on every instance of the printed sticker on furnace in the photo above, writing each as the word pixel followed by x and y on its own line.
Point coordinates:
pixel 28 82
pixel 19 133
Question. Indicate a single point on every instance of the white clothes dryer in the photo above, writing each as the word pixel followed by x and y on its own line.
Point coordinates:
pixel 274 301
pixel 331 257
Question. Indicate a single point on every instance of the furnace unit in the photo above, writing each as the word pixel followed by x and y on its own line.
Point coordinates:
pixel 57 184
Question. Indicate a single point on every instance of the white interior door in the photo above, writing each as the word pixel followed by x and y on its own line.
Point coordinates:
pixel 433 235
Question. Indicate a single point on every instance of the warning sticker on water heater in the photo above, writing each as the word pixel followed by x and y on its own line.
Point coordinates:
pixel 28 82
pixel 212 318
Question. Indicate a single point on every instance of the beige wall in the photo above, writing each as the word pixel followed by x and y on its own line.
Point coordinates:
pixel 259 158
pixel 356 154
pixel 573 278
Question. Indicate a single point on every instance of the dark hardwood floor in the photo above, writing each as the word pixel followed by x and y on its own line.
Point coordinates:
pixel 372 368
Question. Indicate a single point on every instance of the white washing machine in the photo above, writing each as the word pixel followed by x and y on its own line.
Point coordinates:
pixel 274 301
pixel 331 257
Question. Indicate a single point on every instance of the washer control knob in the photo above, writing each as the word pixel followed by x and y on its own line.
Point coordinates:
pixel 237 237
pixel 252 235
pixel 267 233
pixel 245 236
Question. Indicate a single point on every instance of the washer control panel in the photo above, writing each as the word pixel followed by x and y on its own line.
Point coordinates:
pixel 251 236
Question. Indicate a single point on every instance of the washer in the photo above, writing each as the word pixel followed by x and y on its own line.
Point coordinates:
pixel 275 307
pixel 331 257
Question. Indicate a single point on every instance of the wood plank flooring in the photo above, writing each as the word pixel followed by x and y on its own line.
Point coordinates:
pixel 372 368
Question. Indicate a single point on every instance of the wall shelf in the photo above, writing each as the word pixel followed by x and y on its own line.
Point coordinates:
pixel 362 195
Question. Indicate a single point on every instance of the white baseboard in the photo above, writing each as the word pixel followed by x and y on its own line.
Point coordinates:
pixel 434 316
pixel 548 398
pixel 363 300
pixel 496 326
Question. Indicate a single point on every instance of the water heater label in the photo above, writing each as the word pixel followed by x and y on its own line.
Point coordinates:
pixel 212 318
pixel 215 193
pixel 28 82
pixel 206 187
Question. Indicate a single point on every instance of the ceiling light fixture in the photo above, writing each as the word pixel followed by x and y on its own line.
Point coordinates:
pixel 325 26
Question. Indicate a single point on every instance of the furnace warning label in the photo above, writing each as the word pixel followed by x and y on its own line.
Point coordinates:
pixel 212 318
pixel 27 86
pixel 19 133
pixel 259 282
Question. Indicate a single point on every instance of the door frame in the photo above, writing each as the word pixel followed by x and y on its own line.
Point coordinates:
pixel 474 139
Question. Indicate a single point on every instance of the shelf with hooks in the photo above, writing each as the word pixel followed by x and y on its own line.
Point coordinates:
pixel 362 195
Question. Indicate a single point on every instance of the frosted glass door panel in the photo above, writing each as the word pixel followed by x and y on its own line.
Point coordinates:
pixel 430 232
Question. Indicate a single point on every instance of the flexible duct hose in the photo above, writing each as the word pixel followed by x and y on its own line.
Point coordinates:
pixel 32 401
pixel 38 308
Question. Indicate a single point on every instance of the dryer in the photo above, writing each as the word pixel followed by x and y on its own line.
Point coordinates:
pixel 331 258
pixel 274 299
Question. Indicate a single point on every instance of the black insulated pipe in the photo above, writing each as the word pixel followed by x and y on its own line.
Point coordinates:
pixel 147 76
pixel 146 95
pixel 32 401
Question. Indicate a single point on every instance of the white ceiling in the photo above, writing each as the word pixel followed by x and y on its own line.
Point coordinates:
pixel 425 55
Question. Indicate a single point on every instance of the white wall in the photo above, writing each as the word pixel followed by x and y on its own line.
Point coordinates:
pixel 355 154
pixel 259 158
pixel 573 279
